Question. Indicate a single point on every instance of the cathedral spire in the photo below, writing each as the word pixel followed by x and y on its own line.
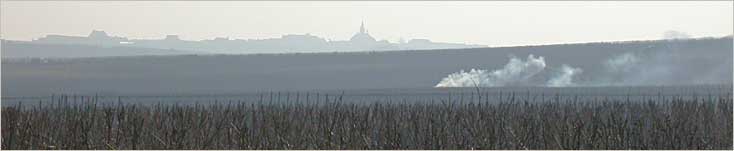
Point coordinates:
pixel 361 28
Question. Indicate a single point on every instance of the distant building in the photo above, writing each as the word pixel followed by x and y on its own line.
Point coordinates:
pixel 96 34
pixel 99 38
pixel 172 38
pixel 362 36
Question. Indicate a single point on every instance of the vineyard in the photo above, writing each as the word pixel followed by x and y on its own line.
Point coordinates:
pixel 475 121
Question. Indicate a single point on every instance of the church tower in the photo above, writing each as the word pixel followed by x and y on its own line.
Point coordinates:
pixel 361 29
pixel 362 36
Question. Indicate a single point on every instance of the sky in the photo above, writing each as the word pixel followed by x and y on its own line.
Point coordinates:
pixel 493 23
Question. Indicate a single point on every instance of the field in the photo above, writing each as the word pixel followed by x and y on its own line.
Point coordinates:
pixel 483 118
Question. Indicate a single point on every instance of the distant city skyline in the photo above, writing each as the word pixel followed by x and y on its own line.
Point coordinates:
pixel 489 23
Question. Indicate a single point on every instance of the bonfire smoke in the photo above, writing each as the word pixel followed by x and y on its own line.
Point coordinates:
pixel 661 67
pixel 516 71
pixel 622 63
pixel 666 64
pixel 565 77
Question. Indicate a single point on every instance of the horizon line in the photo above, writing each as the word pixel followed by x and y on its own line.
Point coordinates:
pixel 332 40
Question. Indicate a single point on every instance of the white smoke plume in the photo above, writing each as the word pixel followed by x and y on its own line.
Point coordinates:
pixel 665 63
pixel 565 77
pixel 622 63
pixel 516 71
pixel 669 64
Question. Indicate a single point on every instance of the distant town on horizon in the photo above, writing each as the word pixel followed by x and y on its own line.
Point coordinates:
pixel 361 41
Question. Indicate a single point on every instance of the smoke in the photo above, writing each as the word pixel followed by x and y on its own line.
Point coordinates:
pixel 672 63
pixel 666 66
pixel 662 63
pixel 635 68
pixel 515 72
pixel 622 63
pixel 464 79
pixel 565 77
pixel 668 63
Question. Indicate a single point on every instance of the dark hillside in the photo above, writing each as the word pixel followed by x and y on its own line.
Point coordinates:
pixel 698 61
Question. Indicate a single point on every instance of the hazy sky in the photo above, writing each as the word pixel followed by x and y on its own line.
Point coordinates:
pixel 492 23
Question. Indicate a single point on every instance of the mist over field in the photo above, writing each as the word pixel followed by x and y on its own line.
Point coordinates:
pixel 632 63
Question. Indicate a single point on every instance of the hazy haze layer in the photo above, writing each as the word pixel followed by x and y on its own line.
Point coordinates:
pixel 487 23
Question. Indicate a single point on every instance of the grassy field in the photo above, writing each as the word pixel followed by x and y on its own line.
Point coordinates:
pixel 330 122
